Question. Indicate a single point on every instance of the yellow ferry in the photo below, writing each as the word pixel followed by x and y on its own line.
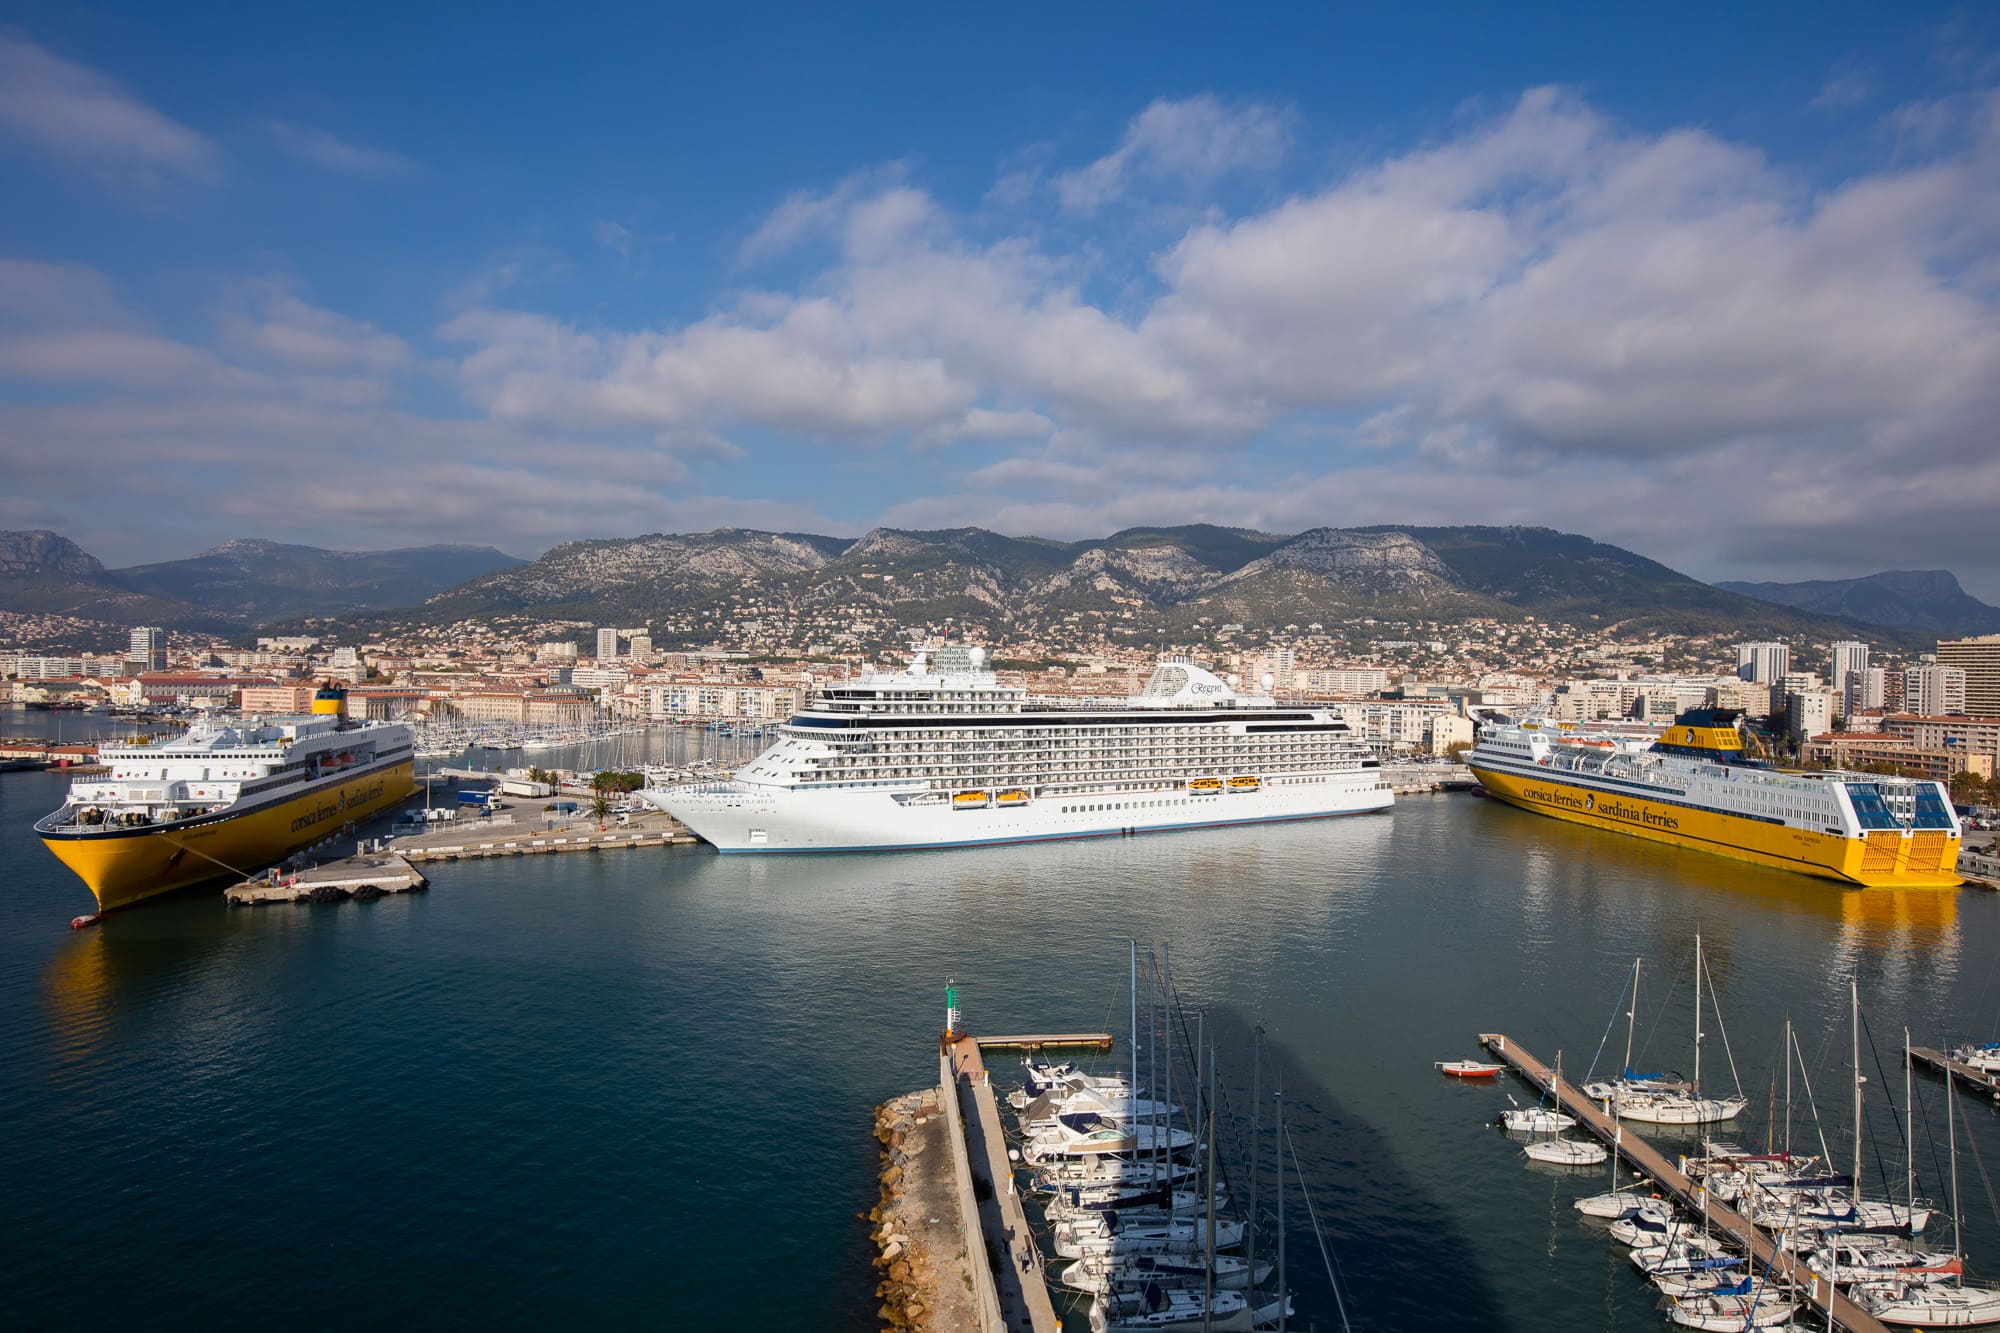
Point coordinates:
pixel 225 801
pixel 1694 787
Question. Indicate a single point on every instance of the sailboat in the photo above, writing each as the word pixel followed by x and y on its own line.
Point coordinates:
pixel 1651 1100
pixel 1559 1151
pixel 1099 1276
pixel 1541 1118
pixel 1741 1307
pixel 1617 1200
pixel 1934 1297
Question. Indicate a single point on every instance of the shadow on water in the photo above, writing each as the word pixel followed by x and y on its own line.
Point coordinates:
pixel 1390 1241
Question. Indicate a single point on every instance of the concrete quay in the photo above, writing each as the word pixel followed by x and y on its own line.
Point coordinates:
pixel 473 839
pixel 365 875
pixel 1979 867
pixel 1417 779
pixel 924 1251
pixel 1019 1292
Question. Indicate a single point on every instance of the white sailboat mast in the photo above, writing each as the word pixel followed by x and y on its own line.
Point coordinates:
pixel 1697 1013
pixel 1854 997
pixel 1135 1015
pixel 1631 1019
pixel 1910 1136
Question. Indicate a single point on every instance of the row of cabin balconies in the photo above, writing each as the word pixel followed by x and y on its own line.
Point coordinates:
pixel 997 769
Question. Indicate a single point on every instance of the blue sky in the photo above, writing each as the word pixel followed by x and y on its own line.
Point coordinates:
pixel 1719 286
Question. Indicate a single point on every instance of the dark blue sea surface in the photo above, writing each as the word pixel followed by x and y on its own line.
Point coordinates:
pixel 635 1087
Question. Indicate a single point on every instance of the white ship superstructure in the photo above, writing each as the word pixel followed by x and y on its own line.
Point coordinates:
pixel 1694 787
pixel 225 799
pixel 952 758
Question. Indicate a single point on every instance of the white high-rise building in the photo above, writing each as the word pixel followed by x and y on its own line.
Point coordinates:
pixel 1979 659
pixel 641 648
pixel 1809 713
pixel 1866 690
pixel 1848 657
pixel 1932 690
pixel 1285 666
pixel 1763 663
pixel 149 648
pixel 607 644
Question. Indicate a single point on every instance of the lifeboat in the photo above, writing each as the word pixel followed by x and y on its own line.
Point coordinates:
pixel 1015 797
pixel 970 800
pixel 1204 785
pixel 1245 783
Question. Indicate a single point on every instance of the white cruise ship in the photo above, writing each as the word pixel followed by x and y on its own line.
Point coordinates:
pixel 952 758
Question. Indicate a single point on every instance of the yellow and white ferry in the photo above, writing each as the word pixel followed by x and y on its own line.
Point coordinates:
pixel 225 800
pixel 1695 787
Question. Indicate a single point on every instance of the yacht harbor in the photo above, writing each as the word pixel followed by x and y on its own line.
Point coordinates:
pixel 1103 1201
pixel 1774 1235
pixel 1310 928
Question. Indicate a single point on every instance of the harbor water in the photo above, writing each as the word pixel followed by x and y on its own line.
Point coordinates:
pixel 636 1087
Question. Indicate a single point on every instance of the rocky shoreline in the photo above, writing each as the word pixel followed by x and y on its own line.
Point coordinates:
pixel 926 1277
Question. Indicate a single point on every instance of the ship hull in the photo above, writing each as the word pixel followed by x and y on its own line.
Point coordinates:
pixel 769 820
pixel 126 866
pixel 1878 860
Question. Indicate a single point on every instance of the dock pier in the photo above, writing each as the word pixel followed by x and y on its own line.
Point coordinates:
pixel 360 875
pixel 1939 1062
pixel 1651 1162
pixel 471 840
pixel 1010 1286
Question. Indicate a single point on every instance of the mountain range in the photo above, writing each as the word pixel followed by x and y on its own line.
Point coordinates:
pixel 1145 583
pixel 1141 585
pixel 233 587
pixel 1910 599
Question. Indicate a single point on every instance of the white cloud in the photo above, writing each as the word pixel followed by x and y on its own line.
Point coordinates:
pixel 1846 86
pixel 42 297
pixel 984 424
pixel 1538 306
pixel 1195 140
pixel 114 358
pixel 266 320
pixel 614 236
pixel 322 149
pixel 88 122
pixel 805 213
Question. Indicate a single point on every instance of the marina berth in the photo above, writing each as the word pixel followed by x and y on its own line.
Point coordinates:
pixel 1696 787
pixel 946 756
pixel 225 800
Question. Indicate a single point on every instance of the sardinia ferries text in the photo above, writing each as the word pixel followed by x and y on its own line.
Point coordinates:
pixel 1609 807
pixel 334 809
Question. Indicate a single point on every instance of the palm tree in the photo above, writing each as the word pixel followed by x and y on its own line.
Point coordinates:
pixel 600 808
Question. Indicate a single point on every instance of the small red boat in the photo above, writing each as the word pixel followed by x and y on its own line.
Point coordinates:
pixel 1468 1068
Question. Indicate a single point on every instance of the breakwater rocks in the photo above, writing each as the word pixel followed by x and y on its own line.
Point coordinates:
pixel 926 1278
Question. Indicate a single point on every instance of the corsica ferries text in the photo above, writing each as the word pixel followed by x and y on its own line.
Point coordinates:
pixel 334 809
pixel 1610 808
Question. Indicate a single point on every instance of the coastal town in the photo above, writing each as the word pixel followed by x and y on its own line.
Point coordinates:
pixel 1072 670
pixel 1418 690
